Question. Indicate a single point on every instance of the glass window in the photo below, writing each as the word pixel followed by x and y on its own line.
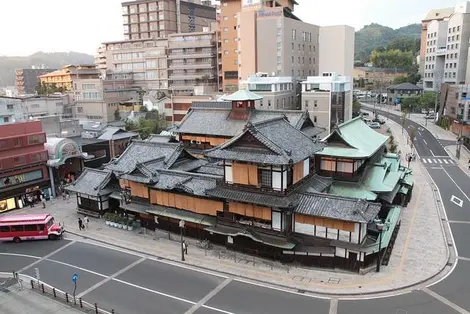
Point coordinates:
pixel 266 177
pixel 31 228
pixel 17 228
pixel 41 227
pixel 5 229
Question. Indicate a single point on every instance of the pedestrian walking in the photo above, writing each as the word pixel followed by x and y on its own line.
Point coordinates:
pixel 80 224
pixel 86 220
pixel 30 201
pixel 185 247
pixel 43 200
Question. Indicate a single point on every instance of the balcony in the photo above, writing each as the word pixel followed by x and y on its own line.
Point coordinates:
pixel 191 44
pixel 191 55
pixel 192 66
pixel 441 51
pixel 190 76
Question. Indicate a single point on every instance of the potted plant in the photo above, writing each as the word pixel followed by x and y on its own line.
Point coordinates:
pixel 118 222
pixel 113 220
pixel 130 226
pixel 106 217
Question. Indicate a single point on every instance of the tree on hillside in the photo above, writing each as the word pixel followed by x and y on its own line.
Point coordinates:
pixel 393 59
pixel 400 79
pixel 405 44
pixel 152 123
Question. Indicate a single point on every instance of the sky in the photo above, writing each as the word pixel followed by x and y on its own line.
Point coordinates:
pixel 81 25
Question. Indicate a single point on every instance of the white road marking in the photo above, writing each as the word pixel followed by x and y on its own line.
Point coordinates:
pixel 436 168
pixel 77 267
pixel 457 201
pixel 424 161
pixel 445 161
pixel 432 153
pixel 430 161
pixel 425 141
pixel 102 282
pixel 440 161
pixel 21 255
pixel 45 257
pixel 434 160
pixel 211 294
pixel 458 187
pixel 445 301
pixel 333 306
pixel 420 134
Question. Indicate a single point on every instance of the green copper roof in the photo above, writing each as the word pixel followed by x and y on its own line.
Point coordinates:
pixel 360 141
pixel 242 95
pixel 352 189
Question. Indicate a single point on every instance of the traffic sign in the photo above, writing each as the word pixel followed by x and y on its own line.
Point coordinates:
pixel 74 278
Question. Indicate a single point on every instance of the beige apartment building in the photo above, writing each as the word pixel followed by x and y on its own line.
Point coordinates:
pixel 145 61
pixel 146 19
pixel 279 93
pixel 192 61
pixel 54 105
pixel 328 99
pixel 337 49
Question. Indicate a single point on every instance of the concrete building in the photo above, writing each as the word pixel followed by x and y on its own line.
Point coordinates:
pixel 23 161
pixel 27 79
pixel 396 93
pixel 278 92
pixel 64 77
pixel 11 110
pixel 336 45
pixel 328 99
pixel 446 51
pixel 376 77
pixel 433 15
pixel 192 60
pixel 145 19
pixel 41 106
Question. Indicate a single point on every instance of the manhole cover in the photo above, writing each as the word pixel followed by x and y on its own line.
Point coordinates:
pixel 334 280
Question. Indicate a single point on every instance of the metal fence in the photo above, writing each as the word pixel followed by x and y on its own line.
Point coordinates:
pixel 64 297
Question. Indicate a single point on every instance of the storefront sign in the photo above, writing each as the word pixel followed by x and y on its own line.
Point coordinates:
pixel 7 204
pixel 264 13
pixel 20 178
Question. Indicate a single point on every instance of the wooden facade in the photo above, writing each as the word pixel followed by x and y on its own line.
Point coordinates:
pixel 325 222
pixel 249 210
pixel 246 174
pixel 340 167
pixel 190 203
pixel 212 141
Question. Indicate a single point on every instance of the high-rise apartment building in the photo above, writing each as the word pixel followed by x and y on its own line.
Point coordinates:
pixel 266 36
pixel 27 79
pixel 446 49
pixel 144 19
pixel 192 61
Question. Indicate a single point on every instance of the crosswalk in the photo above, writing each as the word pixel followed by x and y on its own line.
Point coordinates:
pixel 437 161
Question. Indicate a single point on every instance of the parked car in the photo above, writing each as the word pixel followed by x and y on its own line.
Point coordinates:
pixel 374 125
pixel 429 116
pixel 424 111
pixel 380 121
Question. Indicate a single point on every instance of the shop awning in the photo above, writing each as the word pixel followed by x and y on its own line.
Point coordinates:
pixel 181 215
pixel 60 161
pixel 260 238
pixel 116 196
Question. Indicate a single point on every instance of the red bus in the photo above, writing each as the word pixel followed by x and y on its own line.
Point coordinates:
pixel 29 227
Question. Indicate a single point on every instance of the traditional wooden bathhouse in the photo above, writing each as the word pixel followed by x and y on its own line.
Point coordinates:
pixel 260 192
pixel 356 158
pixel 208 124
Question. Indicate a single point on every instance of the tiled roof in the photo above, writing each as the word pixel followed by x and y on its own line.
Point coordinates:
pixel 211 168
pixel 360 141
pixel 215 121
pixel 115 133
pixel 283 143
pixel 242 95
pixel 196 184
pixel 91 182
pixel 336 207
pixel 141 152
pixel 252 197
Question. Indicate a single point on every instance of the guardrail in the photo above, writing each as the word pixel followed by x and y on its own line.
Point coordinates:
pixel 61 296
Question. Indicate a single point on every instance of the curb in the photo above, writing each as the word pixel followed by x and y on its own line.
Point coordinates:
pixel 265 283
pixel 448 151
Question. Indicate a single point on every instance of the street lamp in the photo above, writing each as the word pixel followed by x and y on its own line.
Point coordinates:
pixel 181 224
pixel 379 225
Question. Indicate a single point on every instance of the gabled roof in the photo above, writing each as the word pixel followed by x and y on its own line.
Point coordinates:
pixel 216 122
pixel 139 152
pixel 192 183
pixel 242 95
pixel 359 140
pixel 276 142
pixel 115 133
pixel 91 182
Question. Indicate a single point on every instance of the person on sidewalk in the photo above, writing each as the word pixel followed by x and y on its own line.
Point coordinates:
pixel 43 200
pixel 185 247
pixel 80 224
pixel 86 220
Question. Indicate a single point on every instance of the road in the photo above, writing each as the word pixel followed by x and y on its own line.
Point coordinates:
pixel 137 283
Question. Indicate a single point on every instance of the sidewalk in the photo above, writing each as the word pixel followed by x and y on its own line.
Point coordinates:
pixel 436 130
pixel 14 300
pixel 415 258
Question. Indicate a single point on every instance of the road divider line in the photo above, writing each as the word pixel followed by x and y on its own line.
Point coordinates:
pixel 458 187
pixel 20 255
pixel 45 257
pixel 463 258
pixel 77 267
pixel 116 274
pixel 211 294
pixel 333 306
pixel 445 301
pixel 423 140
